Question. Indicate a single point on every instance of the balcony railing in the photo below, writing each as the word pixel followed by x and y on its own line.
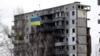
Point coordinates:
pixel 46 21
pixel 47 29
pixel 58 18
pixel 59 52
pixel 59 43
pixel 59 27
pixel 58 34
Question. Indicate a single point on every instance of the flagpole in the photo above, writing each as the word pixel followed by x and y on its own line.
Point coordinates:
pixel 39 7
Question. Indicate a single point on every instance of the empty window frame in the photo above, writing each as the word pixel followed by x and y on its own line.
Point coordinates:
pixel 32 15
pixel 73 54
pixel 67 22
pixel 62 14
pixel 57 23
pixel 67 14
pixel 62 22
pixel 73 21
pixel 72 6
pixel 66 39
pixel 67 55
pixel 73 13
pixel 32 28
pixel 67 31
pixel 67 47
pixel 78 6
pixel 58 14
pixel 73 30
pixel 73 38
pixel 73 47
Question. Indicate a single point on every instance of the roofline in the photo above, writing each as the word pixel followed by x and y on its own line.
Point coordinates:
pixel 50 8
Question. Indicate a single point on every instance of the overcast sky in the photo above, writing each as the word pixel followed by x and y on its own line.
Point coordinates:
pixel 7 8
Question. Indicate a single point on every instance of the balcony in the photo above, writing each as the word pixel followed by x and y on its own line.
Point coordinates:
pixel 58 18
pixel 58 34
pixel 59 52
pixel 84 7
pixel 59 43
pixel 46 21
pixel 59 27
pixel 48 28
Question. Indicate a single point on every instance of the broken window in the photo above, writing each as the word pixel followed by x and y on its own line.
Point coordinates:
pixel 78 6
pixel 66 22
pixel 67 31
pixel 62 14
pixel 73 54
pixel 67 47
pixel 73 38
pixel 62 22
pixel 66 39
pixel 67 55
pixel 73 21
pixel 73 47
pixel 73 13
pixel 73 30
pixel 67 13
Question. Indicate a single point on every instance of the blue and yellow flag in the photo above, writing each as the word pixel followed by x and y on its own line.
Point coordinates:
pixel 35 21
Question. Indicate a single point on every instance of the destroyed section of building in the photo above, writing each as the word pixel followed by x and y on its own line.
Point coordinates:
pixel 63 32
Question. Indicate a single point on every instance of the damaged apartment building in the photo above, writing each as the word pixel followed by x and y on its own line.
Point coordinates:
pixel 63 32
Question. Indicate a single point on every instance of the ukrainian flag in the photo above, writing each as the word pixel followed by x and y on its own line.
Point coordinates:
pixel 35 21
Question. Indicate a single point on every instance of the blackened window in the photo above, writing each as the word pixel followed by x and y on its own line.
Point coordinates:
pixel 67 55
pixel 67 47
pixel 73 54
pixel 78 6
pixel 73 7
pixel 67 31
pixel 73 38
pixel 66 39
pixel 42 18
pixel 58 14
pixel 37 14
pixel 73 13
pixel 57 22
pixel 73 21
pixel 67 13
pixel 32 28
pixel 73 47
pixel 82 7
pixel 73 30
pixel 66 22
pixel 62 13
pixel 62 22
